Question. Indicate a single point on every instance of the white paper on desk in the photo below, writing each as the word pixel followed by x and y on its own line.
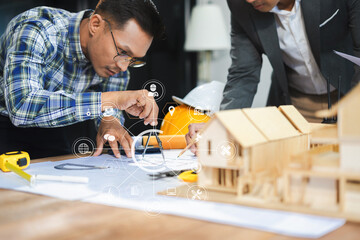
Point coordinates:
pixel 353 59
pixel 171 162
pixel 126 185
pixel 118 173
pixel 286 223
pixel 67 191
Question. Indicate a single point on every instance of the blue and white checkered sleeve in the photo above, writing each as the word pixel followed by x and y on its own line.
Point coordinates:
pixel 27 102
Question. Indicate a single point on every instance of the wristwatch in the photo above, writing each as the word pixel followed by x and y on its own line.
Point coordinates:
pixel 109 112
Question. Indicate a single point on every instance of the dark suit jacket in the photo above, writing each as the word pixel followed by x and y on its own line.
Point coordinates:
pixel 254 33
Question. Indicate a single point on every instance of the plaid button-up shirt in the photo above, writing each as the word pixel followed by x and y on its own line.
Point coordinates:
pixel 45 79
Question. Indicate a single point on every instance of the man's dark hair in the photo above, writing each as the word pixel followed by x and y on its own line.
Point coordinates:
pixel 143 11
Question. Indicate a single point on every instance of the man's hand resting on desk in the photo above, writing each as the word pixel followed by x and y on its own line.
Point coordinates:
pixel 137 103
pixel 111 131
pixel 194 128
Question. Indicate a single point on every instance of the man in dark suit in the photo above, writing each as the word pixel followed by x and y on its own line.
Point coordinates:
pixel 298 37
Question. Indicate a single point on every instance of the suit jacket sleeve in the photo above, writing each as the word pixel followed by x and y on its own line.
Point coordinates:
pixel 354 23
pixel 244 72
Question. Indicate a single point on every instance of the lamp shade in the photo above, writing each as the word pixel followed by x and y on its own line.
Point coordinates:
pixel 206 29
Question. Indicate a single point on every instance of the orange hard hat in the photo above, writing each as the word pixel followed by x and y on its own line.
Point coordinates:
pixel 177 121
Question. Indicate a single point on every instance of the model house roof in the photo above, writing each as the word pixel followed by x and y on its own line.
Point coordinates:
pixel 240 127
pixel 252 126
pixel 297 120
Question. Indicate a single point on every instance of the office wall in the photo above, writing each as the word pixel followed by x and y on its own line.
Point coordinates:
pixel 221 62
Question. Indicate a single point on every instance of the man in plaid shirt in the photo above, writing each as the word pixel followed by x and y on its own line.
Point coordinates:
pixel 59 69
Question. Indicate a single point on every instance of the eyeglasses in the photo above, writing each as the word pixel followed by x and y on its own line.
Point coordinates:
pixel 123 57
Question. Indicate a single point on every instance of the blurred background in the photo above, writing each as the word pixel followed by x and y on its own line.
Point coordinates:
pixel 167 61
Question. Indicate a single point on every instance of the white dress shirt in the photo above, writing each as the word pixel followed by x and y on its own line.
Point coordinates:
pixel 305 75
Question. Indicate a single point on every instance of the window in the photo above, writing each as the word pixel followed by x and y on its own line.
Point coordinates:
pixel 239 150
pixel 209 147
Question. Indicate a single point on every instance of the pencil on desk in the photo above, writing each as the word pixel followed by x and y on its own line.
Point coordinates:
pixel 187 147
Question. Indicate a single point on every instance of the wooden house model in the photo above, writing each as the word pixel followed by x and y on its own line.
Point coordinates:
pixel 327 177
pixel 241 149
pixel 261 157
pixel 348 129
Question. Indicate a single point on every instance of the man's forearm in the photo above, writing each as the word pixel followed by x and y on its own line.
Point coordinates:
pixel 109 100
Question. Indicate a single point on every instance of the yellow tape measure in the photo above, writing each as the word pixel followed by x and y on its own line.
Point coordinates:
pixel 15 161
pixel 18 158
pixel 188 176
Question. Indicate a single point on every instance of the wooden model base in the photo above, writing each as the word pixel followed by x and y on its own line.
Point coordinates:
pixel 232 198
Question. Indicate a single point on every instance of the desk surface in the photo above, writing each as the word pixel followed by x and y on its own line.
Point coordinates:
pixel 30 216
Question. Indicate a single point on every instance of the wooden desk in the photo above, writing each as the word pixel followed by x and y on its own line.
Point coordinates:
pixel 30 216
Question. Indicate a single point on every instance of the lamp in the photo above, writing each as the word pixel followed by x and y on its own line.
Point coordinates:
pixel 206 32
